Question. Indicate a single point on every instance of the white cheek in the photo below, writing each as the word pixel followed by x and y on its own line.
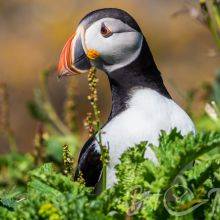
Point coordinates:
pixel 93 39
pixel 122 47
pixel 125 50
pixel 118 50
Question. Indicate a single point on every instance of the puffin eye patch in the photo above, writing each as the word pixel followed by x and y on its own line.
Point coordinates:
pixel 105 31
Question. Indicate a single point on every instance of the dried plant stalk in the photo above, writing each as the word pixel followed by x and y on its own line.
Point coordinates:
pixel 5 127
pixel 4 108
pixel 80 179
pixel 68 161
pixel 39 153
pixel 92 122
pixel 69 109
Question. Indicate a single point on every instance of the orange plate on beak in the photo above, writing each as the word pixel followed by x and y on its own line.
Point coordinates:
pixel 64 66
pixel 73 58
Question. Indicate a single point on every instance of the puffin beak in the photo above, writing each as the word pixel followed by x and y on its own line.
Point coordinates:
pixel 73 58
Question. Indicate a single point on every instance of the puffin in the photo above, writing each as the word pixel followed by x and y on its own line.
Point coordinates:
pixel 110 39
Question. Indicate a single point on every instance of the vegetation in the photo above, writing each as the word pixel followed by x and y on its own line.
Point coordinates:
pixel 184 184
pixel 172 188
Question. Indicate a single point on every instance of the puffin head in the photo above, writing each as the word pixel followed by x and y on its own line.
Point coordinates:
pixel 108 39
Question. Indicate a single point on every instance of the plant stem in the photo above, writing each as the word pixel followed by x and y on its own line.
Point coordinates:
pixel 93 122
pixel 68 161
pixel 105 159
pixel 5 127
pixel 69 108
pixel 39 145
pixel 48 106
pixel 211 11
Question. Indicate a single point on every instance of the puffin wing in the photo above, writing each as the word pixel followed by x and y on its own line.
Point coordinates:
pixel 89 163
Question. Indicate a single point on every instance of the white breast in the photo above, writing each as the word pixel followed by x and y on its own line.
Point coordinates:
pixel 147 113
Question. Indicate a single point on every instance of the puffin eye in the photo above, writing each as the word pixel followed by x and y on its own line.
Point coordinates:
pixel 105 32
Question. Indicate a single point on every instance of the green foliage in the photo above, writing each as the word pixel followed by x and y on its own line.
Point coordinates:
pixel 210 10
pixel 206 123
pixel 14 168
pixel 216 89
pixel 41 107
pixel 54 196
pixel 147 184
pixel 54 145
pixel 36 107
pixel 173 188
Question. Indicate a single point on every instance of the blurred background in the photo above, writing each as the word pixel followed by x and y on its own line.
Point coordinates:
pixel 32 34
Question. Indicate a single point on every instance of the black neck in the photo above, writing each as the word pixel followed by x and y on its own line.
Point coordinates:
pixel 141 73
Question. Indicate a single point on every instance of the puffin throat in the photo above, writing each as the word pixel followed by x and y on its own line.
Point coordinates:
pixel 141 73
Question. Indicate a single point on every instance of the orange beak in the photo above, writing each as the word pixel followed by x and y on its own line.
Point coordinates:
pixel 73 59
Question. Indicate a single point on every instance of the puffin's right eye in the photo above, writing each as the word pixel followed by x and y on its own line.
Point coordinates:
pixel 105 31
